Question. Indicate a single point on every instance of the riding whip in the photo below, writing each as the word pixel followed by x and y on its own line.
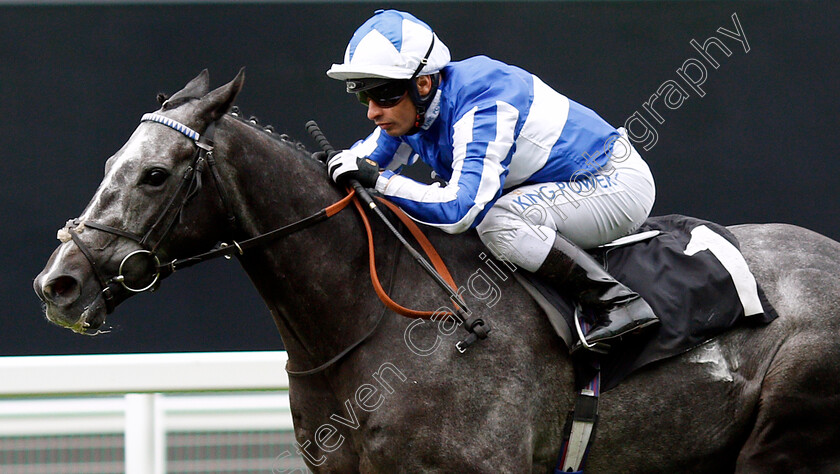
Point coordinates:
pixel 477 328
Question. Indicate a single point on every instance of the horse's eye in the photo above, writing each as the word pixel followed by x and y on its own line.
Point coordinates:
pixel 155 177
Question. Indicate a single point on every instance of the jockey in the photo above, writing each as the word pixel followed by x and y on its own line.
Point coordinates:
pixel 539 176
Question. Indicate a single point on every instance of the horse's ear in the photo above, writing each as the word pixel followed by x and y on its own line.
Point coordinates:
pixel 220 100
pixel 196 88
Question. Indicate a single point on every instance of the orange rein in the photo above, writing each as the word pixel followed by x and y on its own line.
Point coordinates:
pixel 419 236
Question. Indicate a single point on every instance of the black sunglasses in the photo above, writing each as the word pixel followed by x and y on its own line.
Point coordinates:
pixel 387 95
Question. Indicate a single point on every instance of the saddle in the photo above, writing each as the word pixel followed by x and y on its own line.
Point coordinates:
pixel 692 274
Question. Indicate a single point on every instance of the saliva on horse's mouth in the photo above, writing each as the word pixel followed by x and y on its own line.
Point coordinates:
pixel 88 324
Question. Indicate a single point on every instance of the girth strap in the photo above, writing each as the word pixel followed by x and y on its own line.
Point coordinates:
pixel 579 430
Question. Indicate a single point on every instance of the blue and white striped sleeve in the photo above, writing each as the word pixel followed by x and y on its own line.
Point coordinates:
pixel 483 138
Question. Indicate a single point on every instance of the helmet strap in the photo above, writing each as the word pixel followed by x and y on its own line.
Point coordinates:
pixel 425 59
pixel 421 103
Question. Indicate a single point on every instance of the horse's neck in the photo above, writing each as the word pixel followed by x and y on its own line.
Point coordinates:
pixel 315 282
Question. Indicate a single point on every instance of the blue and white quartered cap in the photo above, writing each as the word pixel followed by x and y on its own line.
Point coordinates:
pixel 391 45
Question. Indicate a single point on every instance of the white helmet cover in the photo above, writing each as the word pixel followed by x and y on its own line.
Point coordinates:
pixel 391 45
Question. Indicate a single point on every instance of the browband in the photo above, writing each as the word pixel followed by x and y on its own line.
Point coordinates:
pixel 173 124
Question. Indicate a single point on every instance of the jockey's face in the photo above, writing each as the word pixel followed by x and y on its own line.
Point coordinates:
pixel 399 119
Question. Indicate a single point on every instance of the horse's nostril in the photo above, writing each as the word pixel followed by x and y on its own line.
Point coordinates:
pixel 61 289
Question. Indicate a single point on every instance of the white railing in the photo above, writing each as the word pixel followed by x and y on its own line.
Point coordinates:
pixel 144 396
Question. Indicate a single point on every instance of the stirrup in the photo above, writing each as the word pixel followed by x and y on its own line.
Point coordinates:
pixel 598 347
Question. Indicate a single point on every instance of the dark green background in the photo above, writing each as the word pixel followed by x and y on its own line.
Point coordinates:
pixel 74 80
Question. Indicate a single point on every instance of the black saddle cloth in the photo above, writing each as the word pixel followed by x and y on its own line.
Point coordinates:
pixel 693 294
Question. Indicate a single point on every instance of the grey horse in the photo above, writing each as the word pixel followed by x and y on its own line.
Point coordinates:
pixel 372 391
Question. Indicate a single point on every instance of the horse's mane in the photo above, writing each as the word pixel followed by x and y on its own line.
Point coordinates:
pixel 268 130
pixel 253 122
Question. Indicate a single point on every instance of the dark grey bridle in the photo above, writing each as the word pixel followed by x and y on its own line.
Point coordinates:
pixel 189 186
pixel 149 242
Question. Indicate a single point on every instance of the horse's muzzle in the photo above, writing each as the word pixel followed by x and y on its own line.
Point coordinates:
pixel 61 291
pixel 68 301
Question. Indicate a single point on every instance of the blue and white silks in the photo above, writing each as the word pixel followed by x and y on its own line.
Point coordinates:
pixel 492 127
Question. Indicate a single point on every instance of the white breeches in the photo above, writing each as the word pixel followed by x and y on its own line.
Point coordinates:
pixel 521 226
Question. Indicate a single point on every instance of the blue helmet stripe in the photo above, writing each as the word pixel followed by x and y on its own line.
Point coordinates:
pixel 389 24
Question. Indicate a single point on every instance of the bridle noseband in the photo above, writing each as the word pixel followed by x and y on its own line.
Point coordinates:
pixel 189 185
pixel 187 188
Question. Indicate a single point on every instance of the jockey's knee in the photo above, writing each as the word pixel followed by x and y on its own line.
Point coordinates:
pixel 524 245
pixel 506 214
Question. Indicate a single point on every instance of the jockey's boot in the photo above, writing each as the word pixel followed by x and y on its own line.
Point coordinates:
pixel 614 309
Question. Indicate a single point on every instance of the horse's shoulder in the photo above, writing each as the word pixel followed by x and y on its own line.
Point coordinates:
pixel 455 246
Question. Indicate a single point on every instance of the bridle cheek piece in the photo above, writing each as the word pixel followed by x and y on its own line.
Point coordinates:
pixel 163 225
pixel 187 188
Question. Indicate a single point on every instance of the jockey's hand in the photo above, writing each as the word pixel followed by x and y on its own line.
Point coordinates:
pixel 345 165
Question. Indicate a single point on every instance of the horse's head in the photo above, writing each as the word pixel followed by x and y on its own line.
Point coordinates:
pixel 146 207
